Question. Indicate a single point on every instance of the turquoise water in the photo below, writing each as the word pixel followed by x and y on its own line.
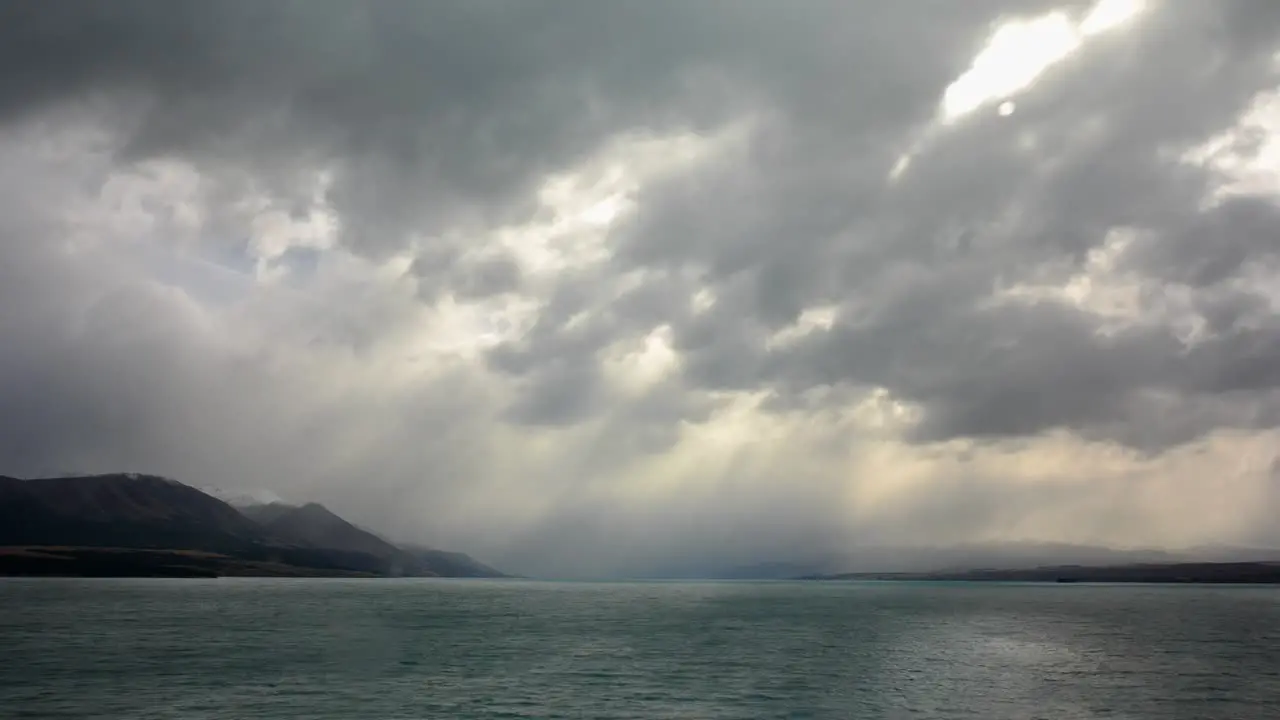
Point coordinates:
pixel 196 649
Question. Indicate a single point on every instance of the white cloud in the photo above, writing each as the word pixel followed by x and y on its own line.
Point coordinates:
pixel 1246 156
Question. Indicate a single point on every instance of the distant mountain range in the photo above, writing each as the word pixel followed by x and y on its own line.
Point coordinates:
pixel 1006 556
pixel 1236 573
pixel 129 524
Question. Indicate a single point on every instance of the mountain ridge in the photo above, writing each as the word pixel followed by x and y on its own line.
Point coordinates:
pixel 986 556
pixel 134 512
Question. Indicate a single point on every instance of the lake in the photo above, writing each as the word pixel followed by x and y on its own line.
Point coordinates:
pixel 372 649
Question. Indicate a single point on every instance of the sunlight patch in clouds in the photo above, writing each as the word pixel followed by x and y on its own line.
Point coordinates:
pixel 812 319
pixel 276 230
pixel 1247 155
pixel 637 365
pixel 582 203
pixel 1108 15
pixel 1118 299
pixel 882 414
pixel 1020 51
pixel 465 329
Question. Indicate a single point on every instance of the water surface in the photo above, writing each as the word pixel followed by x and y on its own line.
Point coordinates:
pixel 365 649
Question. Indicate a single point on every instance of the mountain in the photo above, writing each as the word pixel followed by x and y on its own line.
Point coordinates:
pixel 452 564
pixel 242 498
pixel 1231 553
pixel 1031 561
pixel 1194 572
pixel 1004 555
pixel 314 525
pixel 125 510
pixel 124 524
pixel 921 559
pixel 131 511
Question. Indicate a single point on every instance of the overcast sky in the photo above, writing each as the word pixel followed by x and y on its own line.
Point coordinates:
pixel 585 287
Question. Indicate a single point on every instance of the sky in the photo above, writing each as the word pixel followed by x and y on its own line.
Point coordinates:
pixel 594 288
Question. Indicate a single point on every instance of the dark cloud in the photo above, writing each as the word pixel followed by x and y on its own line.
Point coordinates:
pixel 171 301
pixel 1092 148
pixel 431 114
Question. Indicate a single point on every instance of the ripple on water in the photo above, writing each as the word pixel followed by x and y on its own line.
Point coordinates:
pixel 367 649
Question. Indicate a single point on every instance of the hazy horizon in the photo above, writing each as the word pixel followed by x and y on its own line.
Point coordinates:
pixel 696 563
pixel 603 288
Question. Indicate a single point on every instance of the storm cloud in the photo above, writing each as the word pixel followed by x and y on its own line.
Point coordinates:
pixel 601 288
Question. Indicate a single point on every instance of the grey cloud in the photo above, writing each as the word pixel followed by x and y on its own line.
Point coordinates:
pixel 443 268
pixel 491 277
pixel 432 114
pixel 1210 248
pixel 1101 128
pixel 438 121
pixel 563 393
pixel 414 146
